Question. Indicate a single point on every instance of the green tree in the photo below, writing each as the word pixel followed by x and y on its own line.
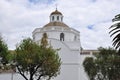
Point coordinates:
pixel 39 61
pixel 90 67
pixel 105 65
pixel 115 32
pixel 3 51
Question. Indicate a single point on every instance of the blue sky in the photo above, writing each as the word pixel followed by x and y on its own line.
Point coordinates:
pixel 18 18
pixel 90 27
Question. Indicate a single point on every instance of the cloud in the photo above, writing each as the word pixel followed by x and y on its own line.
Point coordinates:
pixel 18 18
pixel 41 1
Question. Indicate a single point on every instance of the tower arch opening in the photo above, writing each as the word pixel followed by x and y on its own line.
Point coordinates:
pixel 62 36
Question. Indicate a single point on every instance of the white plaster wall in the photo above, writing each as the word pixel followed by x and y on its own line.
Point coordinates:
pixel 73 45
pixel 70 61
pixel 67 55
pixel 68 72
pixel 38 36
pixel 68 36
pixel 54 34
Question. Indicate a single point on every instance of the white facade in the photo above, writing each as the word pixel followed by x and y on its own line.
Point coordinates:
pixel 68 40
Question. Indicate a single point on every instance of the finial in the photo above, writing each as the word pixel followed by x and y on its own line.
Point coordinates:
pixel 56 6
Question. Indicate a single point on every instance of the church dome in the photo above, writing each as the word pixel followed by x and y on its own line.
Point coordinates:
pixel 56 12
pixel 56 24
pixel 56 20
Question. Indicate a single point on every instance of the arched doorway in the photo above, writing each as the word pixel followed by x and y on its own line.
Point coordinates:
pixel 61 36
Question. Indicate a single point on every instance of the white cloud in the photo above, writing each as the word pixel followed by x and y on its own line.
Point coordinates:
pixel 18 18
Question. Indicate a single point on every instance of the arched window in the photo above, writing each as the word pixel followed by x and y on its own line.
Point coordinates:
pixel 52 18
pixel 58 18
pixel 75 38
pixel 61 18
pixel 33 37
pixel 61 36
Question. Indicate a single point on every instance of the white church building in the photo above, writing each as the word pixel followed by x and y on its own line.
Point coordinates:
pixel 67 39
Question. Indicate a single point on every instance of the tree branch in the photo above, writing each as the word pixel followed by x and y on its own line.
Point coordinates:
pixel 21 72
pixel 35 69
pixel 40 77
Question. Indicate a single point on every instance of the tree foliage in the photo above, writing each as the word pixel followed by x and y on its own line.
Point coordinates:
pixel 115 32
pixel 3 51
pixel 90 67
pixel 39 61
pixel 105 65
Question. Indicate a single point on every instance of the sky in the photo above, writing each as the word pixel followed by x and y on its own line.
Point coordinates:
pixel 18 19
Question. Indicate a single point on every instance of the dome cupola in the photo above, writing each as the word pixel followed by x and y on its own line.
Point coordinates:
pixel 56 20
pixel 56 16
pixel 56 12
